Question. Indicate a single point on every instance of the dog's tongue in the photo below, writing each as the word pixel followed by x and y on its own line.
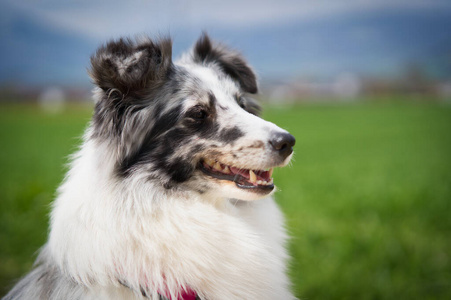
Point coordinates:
pixel 261 175
pixel 242 172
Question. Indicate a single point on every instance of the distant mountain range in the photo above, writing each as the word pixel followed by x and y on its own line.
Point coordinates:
pixel 379 44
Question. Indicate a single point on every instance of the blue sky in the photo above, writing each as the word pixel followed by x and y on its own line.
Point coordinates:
pixel 49 42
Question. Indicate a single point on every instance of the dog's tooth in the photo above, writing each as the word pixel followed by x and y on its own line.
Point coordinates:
pixel 270 172
pixel 217 166
pixel 259 182
pixel 270 181
pixel 226 170
pixel 252 176
pixel 209 161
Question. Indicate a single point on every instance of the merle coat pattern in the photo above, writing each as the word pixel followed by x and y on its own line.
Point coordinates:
pixel 170 192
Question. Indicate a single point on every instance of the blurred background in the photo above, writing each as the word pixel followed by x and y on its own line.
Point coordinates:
pixel 365 86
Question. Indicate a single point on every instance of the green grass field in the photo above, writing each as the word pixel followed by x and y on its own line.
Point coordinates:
pixel 367 198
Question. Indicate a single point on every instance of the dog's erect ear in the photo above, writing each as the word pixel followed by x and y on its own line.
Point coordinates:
pixel 130 67
pixel 228 60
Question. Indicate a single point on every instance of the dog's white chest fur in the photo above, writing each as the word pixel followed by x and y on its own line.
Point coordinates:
pixel 228 249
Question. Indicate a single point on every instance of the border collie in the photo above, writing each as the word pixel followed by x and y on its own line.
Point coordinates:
pixel 169 196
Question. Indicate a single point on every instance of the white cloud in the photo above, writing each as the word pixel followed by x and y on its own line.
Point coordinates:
pixel 103 19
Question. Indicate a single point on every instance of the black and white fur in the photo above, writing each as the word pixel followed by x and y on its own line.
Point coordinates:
pixel 140 213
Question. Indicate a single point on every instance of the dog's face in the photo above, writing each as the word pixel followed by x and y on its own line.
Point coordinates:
pixel 189 125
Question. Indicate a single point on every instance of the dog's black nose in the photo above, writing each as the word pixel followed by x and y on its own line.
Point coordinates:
pixel 283 143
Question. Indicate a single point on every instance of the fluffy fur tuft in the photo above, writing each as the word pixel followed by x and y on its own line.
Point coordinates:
pixel 170 192
pixel 131 67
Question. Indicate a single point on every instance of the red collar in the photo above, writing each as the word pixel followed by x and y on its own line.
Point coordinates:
pixel 185 295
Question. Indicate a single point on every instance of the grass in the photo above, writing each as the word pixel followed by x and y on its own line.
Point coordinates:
pixel 367 198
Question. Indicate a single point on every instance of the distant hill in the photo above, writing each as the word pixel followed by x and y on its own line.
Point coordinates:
pixel 376 44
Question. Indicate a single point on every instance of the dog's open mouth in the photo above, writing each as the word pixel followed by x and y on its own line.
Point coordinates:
pixel 257 180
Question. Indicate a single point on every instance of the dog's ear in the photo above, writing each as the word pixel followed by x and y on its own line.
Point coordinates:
pixel 228 60
pixel 131 67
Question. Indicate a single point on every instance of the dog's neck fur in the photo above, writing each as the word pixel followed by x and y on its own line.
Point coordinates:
pixel 100 237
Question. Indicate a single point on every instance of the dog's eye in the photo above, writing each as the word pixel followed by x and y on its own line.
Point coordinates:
pixel 241 103
pixel 197 113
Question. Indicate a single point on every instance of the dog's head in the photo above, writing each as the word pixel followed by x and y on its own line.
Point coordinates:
pixel 188 125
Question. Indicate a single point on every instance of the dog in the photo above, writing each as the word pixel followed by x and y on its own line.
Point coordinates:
pixel 170 194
